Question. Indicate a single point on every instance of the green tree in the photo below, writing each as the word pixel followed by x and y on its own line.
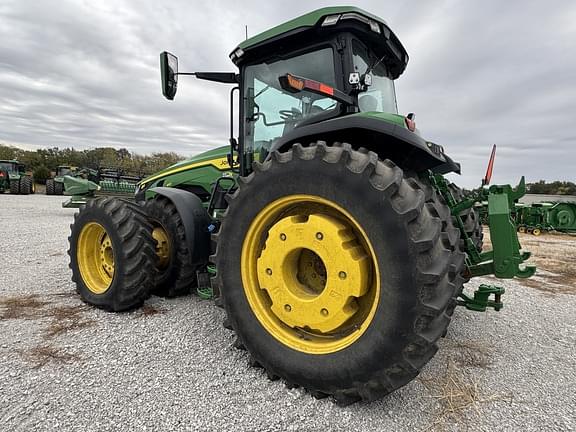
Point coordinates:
pixel 41 174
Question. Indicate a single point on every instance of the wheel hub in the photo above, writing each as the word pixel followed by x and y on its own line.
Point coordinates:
pixel 95 256
pixel 313 269
pixel 162 246
pixel 107 256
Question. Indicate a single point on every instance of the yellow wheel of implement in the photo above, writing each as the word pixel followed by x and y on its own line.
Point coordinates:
pixel 162 246
pixel 310 274
pixel 95 257
pixel 522 229
pixel 536 231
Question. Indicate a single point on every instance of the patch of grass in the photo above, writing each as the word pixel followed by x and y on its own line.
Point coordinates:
pixel 148 310
pixel 66 318
pixel 22 307
pixel 457 392
pixel 40 356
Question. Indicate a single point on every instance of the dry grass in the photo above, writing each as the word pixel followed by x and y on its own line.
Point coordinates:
pixel 22 307
pixel 457 392
pixel 554 253
pixel 40 356
pixel 148 310
pixel 66 318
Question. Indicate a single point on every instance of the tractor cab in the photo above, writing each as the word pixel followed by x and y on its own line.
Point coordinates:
pixel 11 167
pixel 325 76
pixel 327 64
pixel 63 170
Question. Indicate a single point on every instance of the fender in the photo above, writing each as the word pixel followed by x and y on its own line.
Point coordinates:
pixel 195 220
pixel 387 139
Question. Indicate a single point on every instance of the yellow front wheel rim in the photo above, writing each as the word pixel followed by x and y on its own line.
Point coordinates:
pixel 310 274
pixel 95 256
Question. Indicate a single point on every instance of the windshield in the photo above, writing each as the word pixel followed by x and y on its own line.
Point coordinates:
pixel 271 112
pixel 7 166
pixel 64 171
pixel 381 95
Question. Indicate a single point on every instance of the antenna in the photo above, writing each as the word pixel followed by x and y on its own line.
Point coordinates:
pixel 488 176
pixel 246 29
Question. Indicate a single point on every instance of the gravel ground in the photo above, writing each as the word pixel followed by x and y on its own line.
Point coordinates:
pixel 171 365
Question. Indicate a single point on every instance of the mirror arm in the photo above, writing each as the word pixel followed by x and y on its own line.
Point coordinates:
pixel 221 77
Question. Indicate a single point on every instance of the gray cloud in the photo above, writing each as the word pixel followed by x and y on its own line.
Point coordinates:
pixel 85 74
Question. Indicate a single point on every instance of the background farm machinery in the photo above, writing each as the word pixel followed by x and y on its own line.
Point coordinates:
pixel 89 183
pixel 541 217
pixel 537 218
pixel 13 178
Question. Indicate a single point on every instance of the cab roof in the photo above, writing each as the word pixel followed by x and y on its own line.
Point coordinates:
pixel 329 19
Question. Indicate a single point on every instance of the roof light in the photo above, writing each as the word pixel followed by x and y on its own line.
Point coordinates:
pixel 236 54
pixel 330 20
pixel 374 26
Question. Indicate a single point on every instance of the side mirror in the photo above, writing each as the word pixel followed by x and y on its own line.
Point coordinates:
pixel 169 74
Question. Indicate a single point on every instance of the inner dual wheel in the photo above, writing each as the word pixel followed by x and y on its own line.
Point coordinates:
pixel 337 271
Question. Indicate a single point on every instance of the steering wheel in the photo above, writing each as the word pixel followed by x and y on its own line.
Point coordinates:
pixel 290 115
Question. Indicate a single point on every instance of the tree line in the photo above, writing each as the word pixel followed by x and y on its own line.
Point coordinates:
pixel 42 162
pixel 552 188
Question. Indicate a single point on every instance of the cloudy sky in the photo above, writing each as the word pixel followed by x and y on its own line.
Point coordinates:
pixel 85 74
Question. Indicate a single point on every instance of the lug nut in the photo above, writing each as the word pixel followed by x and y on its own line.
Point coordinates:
pixel 287 308
pixel 324 312
pixel 269 271
pixel 319 235
pixel 282 236
pixel 342 275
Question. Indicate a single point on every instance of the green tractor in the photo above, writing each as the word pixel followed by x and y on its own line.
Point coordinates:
pixel 13 178
pixel 326 229
pixel 55 186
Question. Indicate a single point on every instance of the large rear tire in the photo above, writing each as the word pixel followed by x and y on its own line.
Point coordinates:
pixel 176 276
pixel 50 187
pixel 471 219
pixel 337 271
pixel 15 187
pixel 25 185
pixel 58 188
pixel 112 254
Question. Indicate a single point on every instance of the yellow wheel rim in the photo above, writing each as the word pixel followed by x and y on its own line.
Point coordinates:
pixel 310 274
pixel 536 231
pixel 162 246
pixel 95 256
pixel 522 230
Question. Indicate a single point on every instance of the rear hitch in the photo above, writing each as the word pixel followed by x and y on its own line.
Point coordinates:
pixel 506 259
pixel 481 300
